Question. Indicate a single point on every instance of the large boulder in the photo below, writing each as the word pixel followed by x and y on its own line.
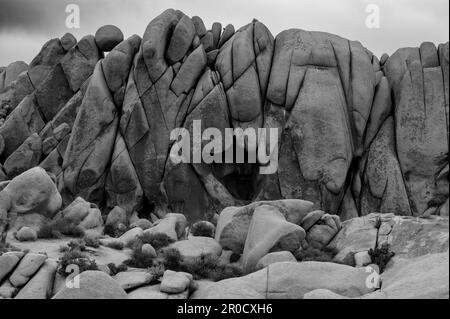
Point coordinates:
pixel 234 222
pixel 12 72
pixel 129 280
pixel 82 214
pixel 148 292
pixel 27 267
pixel 356 235
pixel 383 189
pixel 275 257
pixel 7 263
pixel 107 37
pixel 24 157
pixel 40 286
pixel 26 234
pixel 325 84
pixel 173 225
pixel 174 282
pixel 323 230
pixel 412 237
pixel 419 77
pixel 33 192
pixel 287 280
pixel 193 248
pixel 94 284
pixel 269 231
pixel 424 277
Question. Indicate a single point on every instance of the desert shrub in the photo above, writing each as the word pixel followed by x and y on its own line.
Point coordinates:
pixel 437 200
pixel 158 268
pixel 91 241
pixel 118 245
pixel 75 255
pixel 209 267
pixel 202 229
pixel 116 269
pixel 157 240
pixel 381 256
pixel 114 231
pixel 56 229
pixel 310 253
pixel 172 259
pixel 139 259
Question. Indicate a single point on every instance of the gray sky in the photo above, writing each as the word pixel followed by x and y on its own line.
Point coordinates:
pixel 25 25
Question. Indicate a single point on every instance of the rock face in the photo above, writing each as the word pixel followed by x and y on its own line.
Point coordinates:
pixel 102 125
pixel 407 237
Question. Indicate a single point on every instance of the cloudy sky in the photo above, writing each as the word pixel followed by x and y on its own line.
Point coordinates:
pixel 27 24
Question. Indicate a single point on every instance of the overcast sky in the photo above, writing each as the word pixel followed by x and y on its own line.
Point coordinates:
pixel 25 25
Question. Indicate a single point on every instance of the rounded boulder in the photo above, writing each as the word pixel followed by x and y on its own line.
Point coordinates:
pixel 107 37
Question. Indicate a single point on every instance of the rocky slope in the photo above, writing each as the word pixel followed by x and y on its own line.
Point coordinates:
pixel 362 160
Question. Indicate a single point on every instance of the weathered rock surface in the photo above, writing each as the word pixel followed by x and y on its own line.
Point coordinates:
pixel 41 285
pixel 107 37
pixel 172 225
pixel 27 267
pixel 94 285
pixel 133 279
pixel 275 257
pixel 287 280
pixel 193 248
pixel 421 277
pixel 234 222
pixel 174 282
pixel 7 263
pixel 269 231
pixel 31 192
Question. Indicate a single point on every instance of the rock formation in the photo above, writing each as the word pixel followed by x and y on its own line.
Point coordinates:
pixel 85 130
pixel 356 134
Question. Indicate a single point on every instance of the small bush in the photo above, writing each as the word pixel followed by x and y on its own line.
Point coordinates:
pixel 203 229
pixel 138 259
pixel 116 269
pixel 381 256
pixel 172 259
pixel 114 231
pixel 158 269
pixel 118 245
pixel 157 240
pixel 91 241
pixel 310 253
pixel 75 256
pixel 209 267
